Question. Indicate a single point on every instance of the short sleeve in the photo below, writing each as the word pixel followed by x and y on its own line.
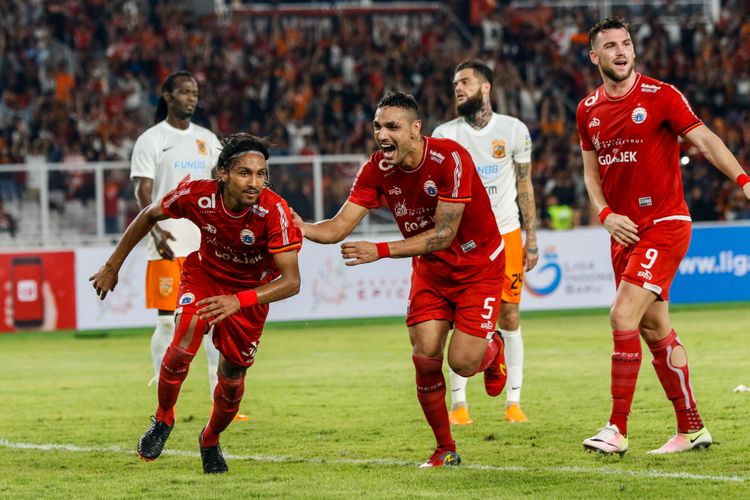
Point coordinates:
pixel 583 134
pixel 364 190
pixel 521 143
pixel 679 114
pixel 457 176
pixel 143 161
pixel 283 235
pixel 174 204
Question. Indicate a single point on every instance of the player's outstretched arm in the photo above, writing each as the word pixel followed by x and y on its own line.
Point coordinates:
pixel 105 278
pixel 220 307
pixel 143 189
pixel 715 151
pixel 623 230
pixel 335 229
pixel 447 219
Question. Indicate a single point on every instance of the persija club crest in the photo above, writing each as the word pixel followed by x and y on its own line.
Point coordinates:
pixel 430 188
pixel 247 237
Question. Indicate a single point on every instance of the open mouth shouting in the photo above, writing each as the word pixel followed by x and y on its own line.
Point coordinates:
pixel 389 151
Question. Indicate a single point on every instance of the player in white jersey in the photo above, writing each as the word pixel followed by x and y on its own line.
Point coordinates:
pixel 173 150
pixel 500 146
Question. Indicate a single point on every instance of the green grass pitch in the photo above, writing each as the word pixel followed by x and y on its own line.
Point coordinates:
pixel 334 415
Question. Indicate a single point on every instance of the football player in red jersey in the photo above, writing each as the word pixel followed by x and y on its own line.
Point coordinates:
pixel 629 129
pixel 247 259
pixel 444 214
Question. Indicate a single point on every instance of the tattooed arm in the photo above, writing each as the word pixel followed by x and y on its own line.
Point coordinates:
pixel 527 205
pixel 447 218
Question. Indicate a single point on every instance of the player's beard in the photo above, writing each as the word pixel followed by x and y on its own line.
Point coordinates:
pixel 471 106
pixel 609 72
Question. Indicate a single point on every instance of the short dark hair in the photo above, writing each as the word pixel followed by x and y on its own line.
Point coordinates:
pixel 478 67
pixel 608 23
pixel 235 145
pixel 168 86
pixel 401 100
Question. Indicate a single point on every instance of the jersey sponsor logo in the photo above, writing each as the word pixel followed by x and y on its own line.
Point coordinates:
pixel 209 229
pixel 430 187
pixel 187 298
pixel 594 122
pixel 394 191
pixel 400 209
pixel 420 223
pixel 189 165
pixel 165 286
pixel 437 157
pixel 259 211
pixel 491 190
pixel 244 259
pixel 596 142
pixel 621 157
pixel 385 167
pixel 488 172
pixel 591 100
pixel 487 325
pixel 647 87
pixel 207 201
pixel 468 246
pixel 645 274
pixel 202 147
pixel 498 148
pixel 639 115
pixel 247 237
pixel 645 201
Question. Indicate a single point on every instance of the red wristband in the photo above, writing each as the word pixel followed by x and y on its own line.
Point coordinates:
pixel 383 250
pixel 248 298
pixel 604 213
pixel 743 179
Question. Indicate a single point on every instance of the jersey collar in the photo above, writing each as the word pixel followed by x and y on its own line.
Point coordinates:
pixel 624 96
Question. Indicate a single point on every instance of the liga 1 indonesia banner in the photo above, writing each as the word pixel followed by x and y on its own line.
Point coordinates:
pixel 125 306
pixel 37 291
pixel 574 271
pixel 716 267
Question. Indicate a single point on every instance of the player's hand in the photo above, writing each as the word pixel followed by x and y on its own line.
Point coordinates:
pixel 530 256
pixel 298 221
pixel 104 280
pixel 217 308
pixel 161 238
pixel 359 252
pixel 623 230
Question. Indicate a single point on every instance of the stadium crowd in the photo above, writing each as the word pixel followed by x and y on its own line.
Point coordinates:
pixel 79 80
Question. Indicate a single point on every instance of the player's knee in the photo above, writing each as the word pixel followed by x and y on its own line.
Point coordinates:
pixel 229 370
pixel 621 317
pixel 678 358
pixel 176 363
pixel 230 389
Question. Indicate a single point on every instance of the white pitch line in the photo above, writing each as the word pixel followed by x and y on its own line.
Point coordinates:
pixel 290 459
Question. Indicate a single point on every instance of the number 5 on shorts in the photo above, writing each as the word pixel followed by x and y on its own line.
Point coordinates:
pixel 488 307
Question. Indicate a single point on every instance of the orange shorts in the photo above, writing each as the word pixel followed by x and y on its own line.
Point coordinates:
pixel 163 283
pixel 513 282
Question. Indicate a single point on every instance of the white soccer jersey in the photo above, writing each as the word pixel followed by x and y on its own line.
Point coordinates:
pixel 169 155
pixel 494 149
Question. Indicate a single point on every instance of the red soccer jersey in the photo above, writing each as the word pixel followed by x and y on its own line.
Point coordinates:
pixel 236 248
pixel 635 139
pixel 446 172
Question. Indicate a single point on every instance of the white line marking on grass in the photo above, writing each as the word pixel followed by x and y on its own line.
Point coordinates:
pixel 290 459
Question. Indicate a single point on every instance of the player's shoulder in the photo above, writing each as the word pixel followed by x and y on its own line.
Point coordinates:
pixel 442 145
pixel 447 128
pixel 203 132
pixel 648 86
pixel 151 136
pixel 199 187
pixel 508 122
pixel 590 101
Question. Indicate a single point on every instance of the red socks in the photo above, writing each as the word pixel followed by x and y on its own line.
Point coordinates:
pixel 489 356
pixel 227 397
pixel 174 369
pixel 670 363
pixel 626 362
pixel 431 395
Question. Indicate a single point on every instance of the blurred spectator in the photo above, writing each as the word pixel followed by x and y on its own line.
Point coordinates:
pixel 559 215
pixel 7 221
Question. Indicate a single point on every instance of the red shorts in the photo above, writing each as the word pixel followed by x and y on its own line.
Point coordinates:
pixel 471 307
pixel 652 263
pixel 237 337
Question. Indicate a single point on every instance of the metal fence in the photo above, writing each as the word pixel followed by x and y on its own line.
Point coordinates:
pixel 58 205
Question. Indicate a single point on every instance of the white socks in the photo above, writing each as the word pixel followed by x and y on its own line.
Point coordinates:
pixel 212 356
pixel 514 364
pixel 458 390
pixel 160 340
